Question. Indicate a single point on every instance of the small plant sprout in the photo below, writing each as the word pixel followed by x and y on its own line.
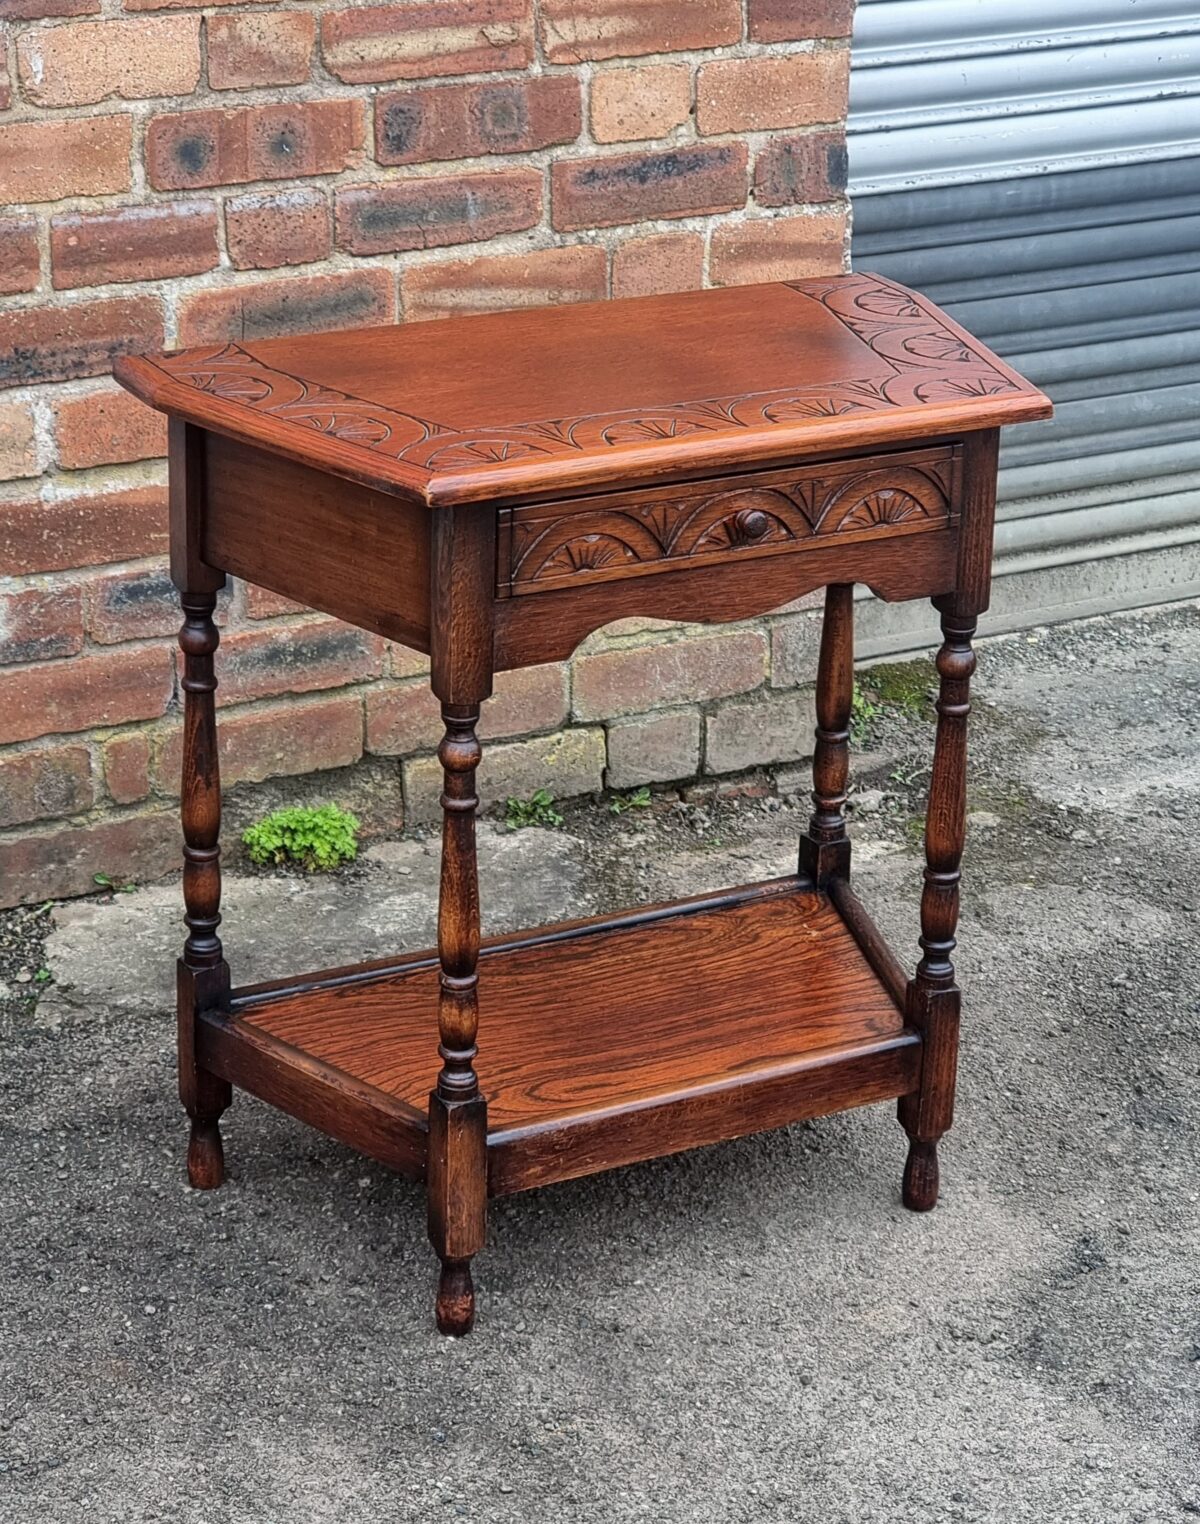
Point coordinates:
pixel 638 800
pixel 318 840
pixel 863 714
pixel 113 885
pixel 537 810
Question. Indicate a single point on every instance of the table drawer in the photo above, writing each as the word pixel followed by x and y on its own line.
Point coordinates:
pixel 773 513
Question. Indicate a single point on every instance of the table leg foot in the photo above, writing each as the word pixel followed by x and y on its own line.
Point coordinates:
pixel 921 1178
pixel 456 1298
pixel 205 1155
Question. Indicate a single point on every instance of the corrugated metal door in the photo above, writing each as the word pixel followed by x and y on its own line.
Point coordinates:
pixel 1034 165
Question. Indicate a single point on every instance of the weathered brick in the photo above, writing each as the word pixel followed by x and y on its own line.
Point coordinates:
pixel 791 90
pixel 793 21
pixel 18 442
pixel 18 255
pixel 674 182
pixel 106 426
pixel 185 149
pixel 261 603
pixel 574 30
pixel 791 171
pixel 135 605
pixel 783 248
pixel 567 763
pixel 274 740
pixel 176 5
pixel 771 727
pixel 259 48
pixel 55 865
pixel 795 649
pixel 40 623
pixel 653 748
pixel 404 662
pixel 112 688
pixel 45 161
pixel 525 702
pixel 633 679
pixel 45 782
pixel 127 767
pixel 68 340
pixel 300 657
pixel 407 718
pixel 133 243
pixel 303 304
pixel 39 10
pixel 648 101
pixel 99 60
pixel 270 228
pixel 427 38
pixel 657 264
pixel 541 278
pixel 83 530
pixel 434 211
pixel 470 121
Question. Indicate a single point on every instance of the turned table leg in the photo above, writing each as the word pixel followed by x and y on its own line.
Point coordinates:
pixel 934 998
pixel 203 974
pixel 457 1171
pixel 825 850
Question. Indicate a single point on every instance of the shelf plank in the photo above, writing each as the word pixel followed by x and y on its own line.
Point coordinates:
pixel 742 1010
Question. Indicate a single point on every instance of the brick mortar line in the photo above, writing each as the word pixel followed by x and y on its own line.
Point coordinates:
pixel 343 261
pixel 322 86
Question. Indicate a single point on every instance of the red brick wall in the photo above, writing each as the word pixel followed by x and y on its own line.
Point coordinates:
pixel 171 175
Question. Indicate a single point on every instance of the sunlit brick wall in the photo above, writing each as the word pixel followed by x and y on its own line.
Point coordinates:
pixel 174 174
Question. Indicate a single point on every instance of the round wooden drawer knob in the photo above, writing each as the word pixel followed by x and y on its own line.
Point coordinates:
pixel 751 524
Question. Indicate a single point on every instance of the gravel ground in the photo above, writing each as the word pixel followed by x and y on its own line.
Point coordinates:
pixel 756 1332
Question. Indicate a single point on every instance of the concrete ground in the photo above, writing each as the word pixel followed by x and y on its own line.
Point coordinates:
pixel 756 1332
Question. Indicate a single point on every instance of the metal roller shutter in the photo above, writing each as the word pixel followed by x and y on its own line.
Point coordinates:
pixel 1034 165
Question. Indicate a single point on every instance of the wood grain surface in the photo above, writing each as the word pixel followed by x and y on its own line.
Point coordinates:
pixel 614 1017
pixel 771 513
pixel 506 406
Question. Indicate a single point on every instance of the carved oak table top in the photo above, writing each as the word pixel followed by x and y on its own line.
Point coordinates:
pixel 489 491
pixel 520 403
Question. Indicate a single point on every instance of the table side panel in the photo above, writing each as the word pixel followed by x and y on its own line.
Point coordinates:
pixel 318 1094
pixel 330 544
pixel 824 1083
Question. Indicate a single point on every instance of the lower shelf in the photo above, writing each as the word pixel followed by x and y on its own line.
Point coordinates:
pixel 600 1042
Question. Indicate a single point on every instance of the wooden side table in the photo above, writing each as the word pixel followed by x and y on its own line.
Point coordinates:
pixel 491 490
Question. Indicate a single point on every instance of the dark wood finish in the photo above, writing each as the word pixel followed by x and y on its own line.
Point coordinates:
pixel 457 1111
pixel 888 969
pixel 504 407
pixel 202 975
pixel 628 534
pixel 327 543
pixel 581 1084
pixel 492 490
pixel 320 1094
pixel 684 966
pixel 550 626
pixel 825 850
pixel 934 1003
pixel 934 997
pixel 464 551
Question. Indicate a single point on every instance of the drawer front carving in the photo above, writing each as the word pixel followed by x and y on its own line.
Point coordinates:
pixel 774 513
